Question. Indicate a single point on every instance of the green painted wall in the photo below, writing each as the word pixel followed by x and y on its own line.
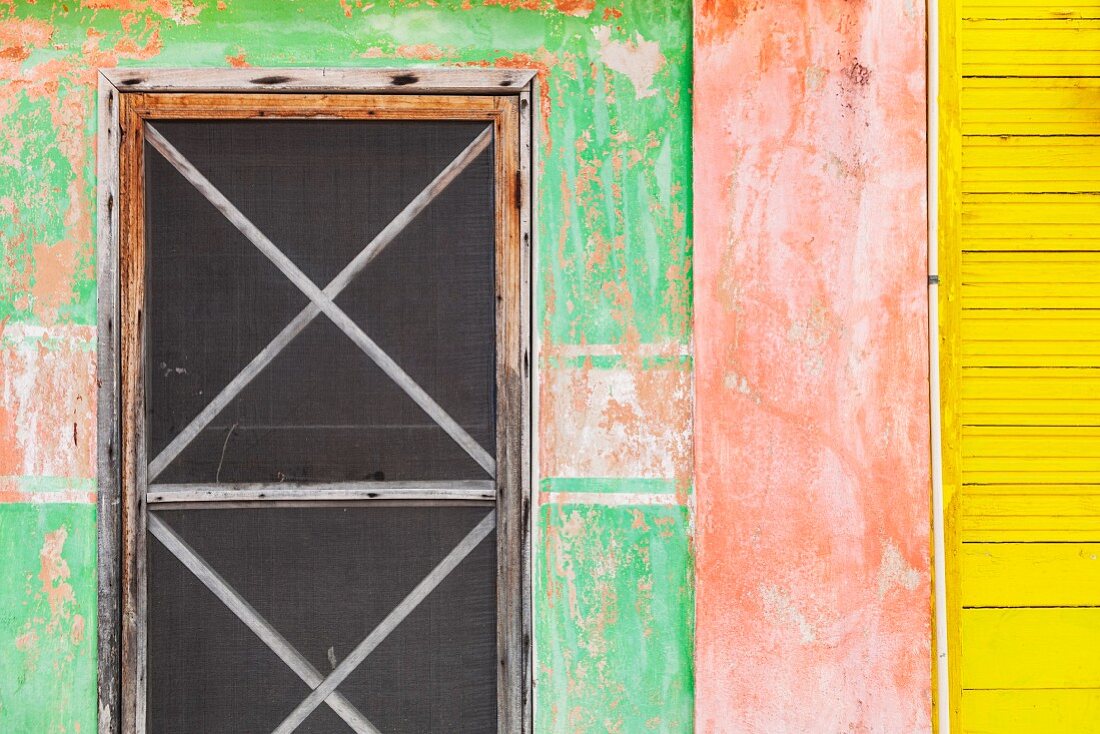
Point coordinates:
pixel 613 598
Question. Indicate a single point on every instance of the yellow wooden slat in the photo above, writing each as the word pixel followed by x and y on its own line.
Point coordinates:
pixel 1030 222
pixel 1031 574
pixel 1022 398
pixel 1059 711
pixel 1031 648
pixel 1031 281
pixel 1058 48
pixel 1031 326
pixel 1030 396
pixel 1030 164
pixel 1031 455
pixel 1014 514
pixel 1030 106
pixel 1024 209
pixel 1048 295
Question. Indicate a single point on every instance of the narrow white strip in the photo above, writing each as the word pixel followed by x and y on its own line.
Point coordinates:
pixel 939 543
pixel 252 619
pixel 668 350
pixel 311 311
pixel 387 625
pixel 321 300
pixel 608 499
pixel 478 490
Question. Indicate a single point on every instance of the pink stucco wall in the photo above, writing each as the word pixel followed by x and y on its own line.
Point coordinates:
pixel 812 434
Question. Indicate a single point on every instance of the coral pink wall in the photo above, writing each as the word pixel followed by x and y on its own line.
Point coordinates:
pixel 812 448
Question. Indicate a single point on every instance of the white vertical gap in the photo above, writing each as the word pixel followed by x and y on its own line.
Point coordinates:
pixel 535 331
pixel 939 540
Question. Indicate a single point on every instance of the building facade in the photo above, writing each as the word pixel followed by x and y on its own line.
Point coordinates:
pixel 750 450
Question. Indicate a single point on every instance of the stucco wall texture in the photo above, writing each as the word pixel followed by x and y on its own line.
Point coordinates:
pixel 811 419
pixel 613 563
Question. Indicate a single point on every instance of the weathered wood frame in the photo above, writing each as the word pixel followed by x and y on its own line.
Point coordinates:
pixel 128 97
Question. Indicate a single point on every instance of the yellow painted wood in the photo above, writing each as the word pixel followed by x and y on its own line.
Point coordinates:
pixel 1030 164
pixel 1023 337
pixel 1032 396
pixel 1056 48
pixel 1020 349
pixel 1072 711
pixel 1030 455
pixel 1015 106
pixel 1030 280
pixel 1030 512
pixel 1032 574
pixel 1031 648
pixel 948 234
pixel 1030 222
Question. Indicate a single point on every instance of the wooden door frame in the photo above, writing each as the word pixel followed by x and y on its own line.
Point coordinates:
pixel 126 98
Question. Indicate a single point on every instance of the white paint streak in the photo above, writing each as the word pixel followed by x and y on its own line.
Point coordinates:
pixel 639 60
pixel 781 609
pixel 894 571
pixel 609 499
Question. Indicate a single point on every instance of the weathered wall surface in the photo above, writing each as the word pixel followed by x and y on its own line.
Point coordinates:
pixel 811 367
pixel 613 570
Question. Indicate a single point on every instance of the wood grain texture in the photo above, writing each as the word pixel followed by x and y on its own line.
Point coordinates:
pixel 325 80
pixel 108 442
pixel 1055 48
pixel 950 345
pixel 1026 256
pixel 512 118
pixel 1023 106
pixel 512 391
pixel 1029 9
pixel 131 367
pixel 460 490
pixel 224 106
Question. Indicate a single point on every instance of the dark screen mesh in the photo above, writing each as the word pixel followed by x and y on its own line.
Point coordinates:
pixel 320 190
pixel 324 578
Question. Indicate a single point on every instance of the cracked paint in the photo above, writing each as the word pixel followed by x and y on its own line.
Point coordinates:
pixel 613 300
pixel 47 618
pixel 811 363
pixel 614 607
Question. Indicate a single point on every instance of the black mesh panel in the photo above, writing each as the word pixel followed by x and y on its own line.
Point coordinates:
pixel 320 190
pixel 324 578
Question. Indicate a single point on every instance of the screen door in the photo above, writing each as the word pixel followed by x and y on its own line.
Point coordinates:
pixel 320 361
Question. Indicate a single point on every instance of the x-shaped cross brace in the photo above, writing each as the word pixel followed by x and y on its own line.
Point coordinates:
pixel 324 687
pixel 321 301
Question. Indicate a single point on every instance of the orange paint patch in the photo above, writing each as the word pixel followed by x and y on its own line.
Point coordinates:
pixel 579 8
pixel 615 423
pixel 423 51
pixel 541 62
pixel 47 388
pixel 238 61
pixel 811 412
pixel 54 573
pixel 18 37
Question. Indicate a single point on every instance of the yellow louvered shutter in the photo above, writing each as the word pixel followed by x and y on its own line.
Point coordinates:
pixel 1022 364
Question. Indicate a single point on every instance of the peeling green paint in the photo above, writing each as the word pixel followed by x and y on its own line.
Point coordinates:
pixel 614 620
pixel 608 485
pixel 614 251
pixel 47 618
